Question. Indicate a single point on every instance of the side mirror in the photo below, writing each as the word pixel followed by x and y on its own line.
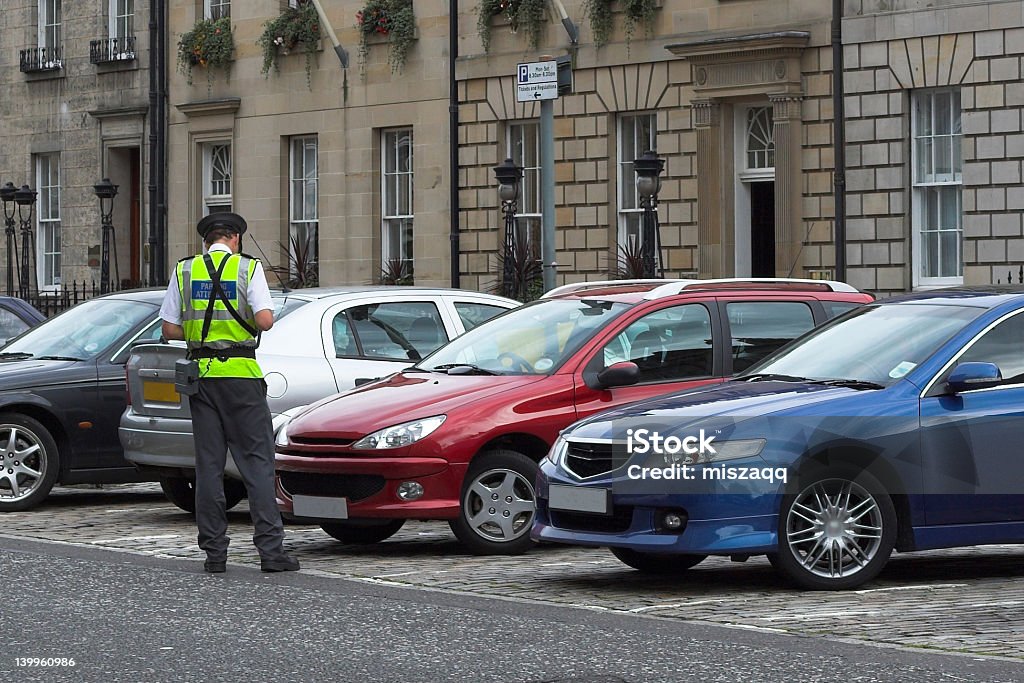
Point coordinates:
pixel 968 376
pixel 620 374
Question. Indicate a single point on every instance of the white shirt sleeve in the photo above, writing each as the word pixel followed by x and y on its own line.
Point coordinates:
pixel 170 309
pixel 258 293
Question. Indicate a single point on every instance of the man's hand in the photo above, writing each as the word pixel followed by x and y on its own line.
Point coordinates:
pixel 172 331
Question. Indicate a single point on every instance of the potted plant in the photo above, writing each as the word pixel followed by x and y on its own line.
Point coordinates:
pixel 209 44
pixel 393 20
pixel 530 14
pixel 396 271
pixel 635 11
pixel 294 27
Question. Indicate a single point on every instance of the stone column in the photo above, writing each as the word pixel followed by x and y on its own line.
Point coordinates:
pixel 707 120
pixel 789 232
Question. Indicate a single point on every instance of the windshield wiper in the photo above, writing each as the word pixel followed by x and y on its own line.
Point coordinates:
pixel 13 355
pixel 463 369
pixel 850 383
pixel 769 377
pixel 57 358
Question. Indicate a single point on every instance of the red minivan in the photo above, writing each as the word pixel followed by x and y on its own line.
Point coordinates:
pixel 458 436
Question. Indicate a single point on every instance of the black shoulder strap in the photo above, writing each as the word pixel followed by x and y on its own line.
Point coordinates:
pixel 218 292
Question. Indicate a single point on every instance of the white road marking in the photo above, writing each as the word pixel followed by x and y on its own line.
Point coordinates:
pixel 135 538
pixel 911 588
pixel 638 610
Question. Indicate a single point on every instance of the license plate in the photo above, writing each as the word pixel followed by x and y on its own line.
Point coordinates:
pixel 160 392
pixel 578 499
pixel 320 506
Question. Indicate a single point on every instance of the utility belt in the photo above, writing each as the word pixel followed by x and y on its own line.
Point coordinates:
pixel 222 354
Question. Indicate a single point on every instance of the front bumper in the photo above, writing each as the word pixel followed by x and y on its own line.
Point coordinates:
pixel 722 518
pixel 369 485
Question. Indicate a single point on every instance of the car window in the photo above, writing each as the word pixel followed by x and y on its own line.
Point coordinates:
pixel 667 345
pixel 834 309
pixel 283 305
pixel 84 330
pixel 1000 345
pixel 473 314
pixel 406 330
pixel 10 325
pixel 760 328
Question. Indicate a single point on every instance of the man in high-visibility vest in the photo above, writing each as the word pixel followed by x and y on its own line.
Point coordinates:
pixel 219 303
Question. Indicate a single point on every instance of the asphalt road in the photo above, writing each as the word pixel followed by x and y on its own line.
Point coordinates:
pixel 126 617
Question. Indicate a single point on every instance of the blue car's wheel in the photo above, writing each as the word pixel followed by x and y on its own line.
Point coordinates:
pixel 837 531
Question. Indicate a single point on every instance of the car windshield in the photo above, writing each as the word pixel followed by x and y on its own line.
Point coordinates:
pixel 873 344
pixel 85 330
pixel 532 340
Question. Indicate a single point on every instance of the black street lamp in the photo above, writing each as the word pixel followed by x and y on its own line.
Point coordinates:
pixel 25 198
pixel 648 169
pixel 106 191
pixel 7 197
pixel 509 176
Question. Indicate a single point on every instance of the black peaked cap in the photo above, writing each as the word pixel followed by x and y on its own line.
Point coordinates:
pixel 222 219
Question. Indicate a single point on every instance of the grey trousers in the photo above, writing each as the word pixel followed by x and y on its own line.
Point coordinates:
pixel 232 413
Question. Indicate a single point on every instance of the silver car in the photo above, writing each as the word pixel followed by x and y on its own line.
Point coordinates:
pixel 324 341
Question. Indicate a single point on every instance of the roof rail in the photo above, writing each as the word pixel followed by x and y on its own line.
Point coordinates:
pixel 783 283
pixel 597 284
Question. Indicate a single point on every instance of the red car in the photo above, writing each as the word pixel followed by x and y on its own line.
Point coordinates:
pixel 458 436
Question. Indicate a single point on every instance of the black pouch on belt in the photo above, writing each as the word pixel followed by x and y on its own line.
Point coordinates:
pixel 186 376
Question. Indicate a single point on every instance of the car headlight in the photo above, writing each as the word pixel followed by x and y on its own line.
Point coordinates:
pixel 281 438
pixel 399 435
pixel 557 452
pixel 717 452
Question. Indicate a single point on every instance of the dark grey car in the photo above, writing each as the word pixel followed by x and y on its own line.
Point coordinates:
pixel 62 392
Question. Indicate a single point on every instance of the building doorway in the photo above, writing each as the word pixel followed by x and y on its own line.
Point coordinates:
pixel 754 229
pixel 124 168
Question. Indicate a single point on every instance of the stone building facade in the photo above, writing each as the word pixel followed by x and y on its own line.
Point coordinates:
pixel 74 78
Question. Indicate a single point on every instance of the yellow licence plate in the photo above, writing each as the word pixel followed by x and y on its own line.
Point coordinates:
pixel 160 392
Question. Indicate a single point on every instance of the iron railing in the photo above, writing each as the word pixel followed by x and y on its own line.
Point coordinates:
pixel 38 59
pixel 50 303
pixel 112 50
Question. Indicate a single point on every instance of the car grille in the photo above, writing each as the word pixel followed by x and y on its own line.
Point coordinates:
pixel 589 458
pixel 351 486
pixel 619 521
pixel 321 441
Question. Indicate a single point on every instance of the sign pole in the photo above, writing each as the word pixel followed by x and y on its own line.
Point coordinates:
pixel 547 174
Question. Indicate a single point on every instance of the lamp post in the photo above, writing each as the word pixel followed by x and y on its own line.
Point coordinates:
pixel 648 169
pixel 25 198
pixel 106 191
pixel 509 176
pixel 7 197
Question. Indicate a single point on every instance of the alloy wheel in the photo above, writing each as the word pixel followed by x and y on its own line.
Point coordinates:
pixel 500 505
pixel 23 462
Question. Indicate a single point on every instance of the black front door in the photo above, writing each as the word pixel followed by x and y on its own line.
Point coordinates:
pixel 762 229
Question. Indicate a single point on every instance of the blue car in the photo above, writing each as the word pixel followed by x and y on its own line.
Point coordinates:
pixel 898 426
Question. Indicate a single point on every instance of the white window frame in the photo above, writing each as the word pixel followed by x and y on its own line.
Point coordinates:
pixel 50 24
pixel 222 8
pixel 48 223
pixel 118 26
pixel 920 186
pixel 626 176
pixel 303 219
pixel 529 205
pixel 222 201
pixel 403 221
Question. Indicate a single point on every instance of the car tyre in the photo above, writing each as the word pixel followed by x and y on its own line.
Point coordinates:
pixel 363 531
pixel 836 532
pixel 657 563
pixel 498 504
pixel 29 462
pixel 182 492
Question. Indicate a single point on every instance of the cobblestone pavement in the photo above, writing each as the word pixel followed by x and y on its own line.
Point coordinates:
pixel 968 600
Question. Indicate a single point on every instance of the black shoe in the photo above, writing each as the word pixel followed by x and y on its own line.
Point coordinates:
pixel 215 566
pixel 285 563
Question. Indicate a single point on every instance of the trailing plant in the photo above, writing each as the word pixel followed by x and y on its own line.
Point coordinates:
pixel 302 268
pixel 396 271
pixel 209 44
pixel 530 14
pixel 393 19
pixel 295 26
pixel 635 12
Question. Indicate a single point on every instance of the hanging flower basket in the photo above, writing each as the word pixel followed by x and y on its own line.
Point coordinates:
pixel 529 15
pixel 391 21
pixel 209 45
pixel 295 28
